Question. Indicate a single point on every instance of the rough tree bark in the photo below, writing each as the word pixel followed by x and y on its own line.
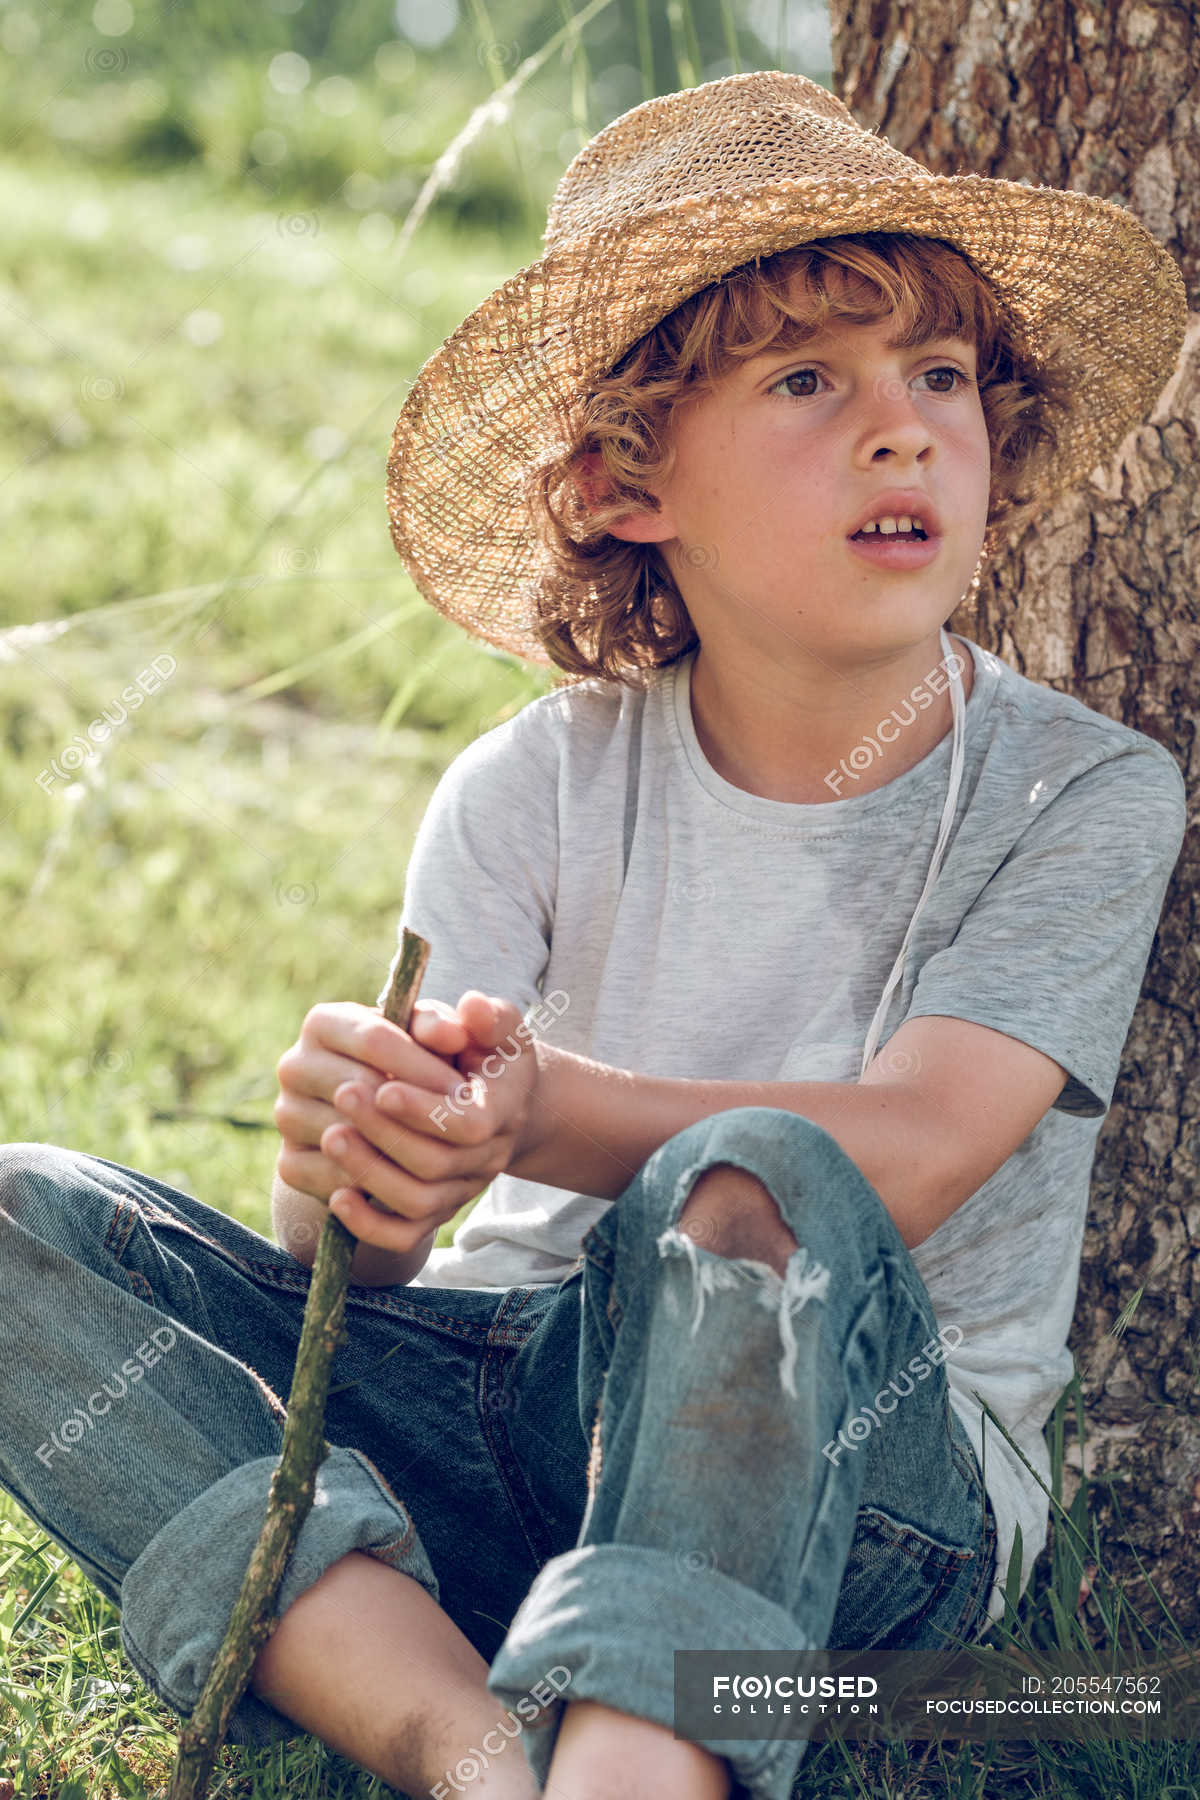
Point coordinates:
pixel 1100 600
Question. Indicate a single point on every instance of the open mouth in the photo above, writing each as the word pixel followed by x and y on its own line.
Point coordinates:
pixel 915 536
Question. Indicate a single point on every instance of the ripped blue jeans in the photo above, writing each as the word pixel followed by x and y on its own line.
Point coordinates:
pixel 651 1455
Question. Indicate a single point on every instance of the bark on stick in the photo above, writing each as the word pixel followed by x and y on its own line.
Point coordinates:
pixel 304 1450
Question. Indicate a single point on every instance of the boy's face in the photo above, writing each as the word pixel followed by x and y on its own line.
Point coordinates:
pixel 777 466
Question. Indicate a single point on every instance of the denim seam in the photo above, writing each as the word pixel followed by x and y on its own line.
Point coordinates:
pixel 947 1573
pixel 124 1213
pixel 152 1677
pixel 87 1564
pixel 405 1538
pixel 969 1616
pixel 916 1544
pixel 937 1593
pixel 967 1461
pixel 772 1749
pixel 938 1587
pixel 950 1571
pixel 127 1211
pixel 597 1251
pixel 510 1474
pixel 507 1329
pixel 603 1258
pixel 283 1280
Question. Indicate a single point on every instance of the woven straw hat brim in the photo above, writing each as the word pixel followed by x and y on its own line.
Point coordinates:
pixel 494 400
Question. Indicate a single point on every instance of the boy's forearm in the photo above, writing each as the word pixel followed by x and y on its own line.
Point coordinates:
pixel 596 1125
pixel 297 1219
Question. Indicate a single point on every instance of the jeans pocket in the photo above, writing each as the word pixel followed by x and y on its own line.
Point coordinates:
pixel 896 1582
pixel 973 1620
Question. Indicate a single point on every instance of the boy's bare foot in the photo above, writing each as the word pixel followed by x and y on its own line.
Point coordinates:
pixel 369 1662
pixel 601 1753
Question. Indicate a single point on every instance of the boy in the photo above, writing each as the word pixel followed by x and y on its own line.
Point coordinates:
pixel 728 456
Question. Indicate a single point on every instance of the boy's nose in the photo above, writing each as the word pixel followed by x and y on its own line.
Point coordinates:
pixel 897 425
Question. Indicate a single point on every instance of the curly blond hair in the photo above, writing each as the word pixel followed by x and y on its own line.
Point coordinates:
pixel 611 608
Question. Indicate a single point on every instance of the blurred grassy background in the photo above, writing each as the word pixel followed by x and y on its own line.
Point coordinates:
pixel 212 316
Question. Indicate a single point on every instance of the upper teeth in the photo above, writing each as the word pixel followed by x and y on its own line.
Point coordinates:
pixel 888 524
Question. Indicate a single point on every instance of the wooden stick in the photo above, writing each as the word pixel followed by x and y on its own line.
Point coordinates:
pixel 304 1450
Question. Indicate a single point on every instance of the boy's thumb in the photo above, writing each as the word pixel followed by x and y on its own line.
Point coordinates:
pixel 488 1020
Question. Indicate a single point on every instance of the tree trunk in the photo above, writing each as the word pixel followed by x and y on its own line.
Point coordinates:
pixel 1099 600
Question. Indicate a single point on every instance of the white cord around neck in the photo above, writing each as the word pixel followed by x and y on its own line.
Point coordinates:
pixel 952 662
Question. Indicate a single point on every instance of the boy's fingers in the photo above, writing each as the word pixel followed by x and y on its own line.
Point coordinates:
pixel 436 1025
pixel 376 1117
pixel 488 1018
pixel 386 1048
pixel 386 1230
pixel 463 1120
pixel 359 1164
pixel 310 1170
pixel 476 1005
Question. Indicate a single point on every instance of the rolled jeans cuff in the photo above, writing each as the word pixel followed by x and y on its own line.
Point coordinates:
pixel 603 1622
pixel 178 1597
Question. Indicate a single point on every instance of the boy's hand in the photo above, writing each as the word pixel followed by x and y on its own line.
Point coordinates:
pixel 426 1130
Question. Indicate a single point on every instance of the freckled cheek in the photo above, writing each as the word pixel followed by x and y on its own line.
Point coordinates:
pixel 978 444
pixel 980 477
pixel 779 476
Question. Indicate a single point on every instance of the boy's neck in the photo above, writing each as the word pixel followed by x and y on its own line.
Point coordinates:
pixel 778 733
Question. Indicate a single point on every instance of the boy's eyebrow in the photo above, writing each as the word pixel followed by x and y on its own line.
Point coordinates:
pixel 824 338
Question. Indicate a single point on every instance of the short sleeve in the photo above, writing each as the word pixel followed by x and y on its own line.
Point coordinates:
pixel 481 879
pixel 1054 950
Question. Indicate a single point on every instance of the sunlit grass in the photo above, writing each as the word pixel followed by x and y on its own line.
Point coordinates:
pixel 235 850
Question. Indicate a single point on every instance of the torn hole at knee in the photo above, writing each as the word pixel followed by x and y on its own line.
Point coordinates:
pixel 727 1209
pixel 804 1279
pixel 705 1192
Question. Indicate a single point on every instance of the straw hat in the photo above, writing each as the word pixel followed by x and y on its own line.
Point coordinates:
pixel 664 201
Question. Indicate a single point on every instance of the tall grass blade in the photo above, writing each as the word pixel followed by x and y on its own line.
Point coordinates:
pixel 488 40
pixel 1069 1524
pixel 645 41
pixel 492 111
pixel 685 61
pixel 400 701
pixel 271 684
pixel 580 79
pixel 729 26
pixel 34 1601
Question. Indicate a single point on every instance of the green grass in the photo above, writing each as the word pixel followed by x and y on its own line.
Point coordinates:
pixel 236 854
pixel 175 907
pixel 222 848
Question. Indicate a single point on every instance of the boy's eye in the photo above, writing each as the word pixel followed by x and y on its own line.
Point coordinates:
pixel 949 369
pixel 961 380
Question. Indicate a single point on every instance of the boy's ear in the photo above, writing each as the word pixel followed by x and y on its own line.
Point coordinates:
pixel 587 472
pixel 639 526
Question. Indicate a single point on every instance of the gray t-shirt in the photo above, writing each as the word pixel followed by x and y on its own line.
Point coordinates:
pixel 1066 830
